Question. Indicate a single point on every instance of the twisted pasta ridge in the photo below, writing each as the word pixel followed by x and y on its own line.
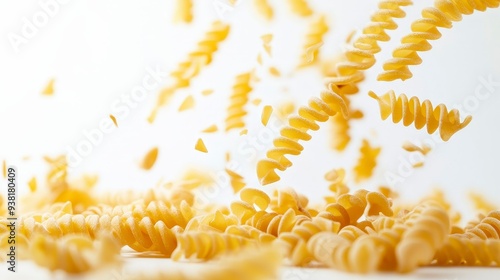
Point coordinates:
pixel 286 199
pixel 238 100
pixel 470 252
pixel 366 162
pixel 250 232
pixel 421 114
pixel 330 102
pixel 275 224
pixel 429 226
pixel 237 181
pixel 191 67
pixel 425 29
pixel 264 8
pixel 487 228
pixel 318 110
pixel 363 255
pixel 295 242
pixel 314 40
pixel 74 253
pixel 184 11
pixel 208 245
pixel 300 7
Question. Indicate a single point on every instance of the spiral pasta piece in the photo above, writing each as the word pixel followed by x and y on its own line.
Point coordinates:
pixel 300 7
pixel 470 252
pixel 184 11
pixel 321 109
pixel 237 181
pixel 208 245
pixel 264 9
pixel 191 67
pixel 421 114
pixel 366 162
pixel 429 226
pixel 314 40
pixel 74 253
pixel 487 228
pixel 238 100
pixel 442 15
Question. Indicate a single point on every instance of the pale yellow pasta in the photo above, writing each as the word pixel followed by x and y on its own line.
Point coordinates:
pixel 367 161
pixel 481 203
pixel 487 228
pixel 49 88
pixel 264 8
pixel 300 7
pixel 266 114
pixel 237 181
pixel 184 11
pixel 150 159
pixel 470 252
pixel 421 114
pixel 442 14
pixel 314 41
pixel 187 104
pixel 200 146
pixel 238 100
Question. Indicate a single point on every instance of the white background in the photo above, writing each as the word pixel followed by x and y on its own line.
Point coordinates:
pixel 98 51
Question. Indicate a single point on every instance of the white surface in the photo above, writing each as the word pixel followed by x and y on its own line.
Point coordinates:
pixel 99 50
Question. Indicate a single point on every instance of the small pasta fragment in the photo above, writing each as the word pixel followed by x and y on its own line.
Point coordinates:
pixel 49 88
pixel 266 40
pixel 113 119
pixel 4 168
pixel 150 159
pixel 300 7
pixel 412 111
pixel 256 101
pixel 200 146
pixel 210 129
pixel 410 147
pixel 264 9
pixel 244 132
pixel 274 71
pixel 187 104
pixel 266 114
pixel 367 161
pixel 32 184
pixel 481 203
pixel 207 92
pixel 237 181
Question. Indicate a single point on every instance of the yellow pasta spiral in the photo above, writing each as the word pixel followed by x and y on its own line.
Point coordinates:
pixel 471 252
pixel 441 15
pixel 421 114
pixel 318 110
pixel 184 11
pixel 428 229
pixel 314 40
pixel 273 223
pixel 487 228
pixel 197 59
pixel 300 7
pixel 367 161
pixel 295 242
pixel 238 100
pixel 208 245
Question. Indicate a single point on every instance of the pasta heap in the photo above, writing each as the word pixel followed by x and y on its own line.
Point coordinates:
pixel 420 114
pixel 443 14
pixel 68 226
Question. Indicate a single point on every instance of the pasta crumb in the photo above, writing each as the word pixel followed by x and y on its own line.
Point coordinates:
pixel 200 146
pixel 266 114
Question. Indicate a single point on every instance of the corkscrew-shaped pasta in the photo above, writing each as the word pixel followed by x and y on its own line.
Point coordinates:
pixel 321 109
pixel 250 232
pixel 443 14
pixel 184 11
pixel 238 100
pixel 295 242
pixel 487 228
pixel 362 255
pixel 314 40
pixel 336 178
pixel 208 245
pixel 300 7
pixel 470 252
pixel 273 223
pixel 429 226
pixel 74 253
pixel 318 110
pixel 421 114
pixel 367 161
pixel 264 9
pixel 191 67
pixel 286 199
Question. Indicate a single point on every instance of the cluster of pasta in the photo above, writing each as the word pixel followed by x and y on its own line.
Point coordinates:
pixel 67 225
